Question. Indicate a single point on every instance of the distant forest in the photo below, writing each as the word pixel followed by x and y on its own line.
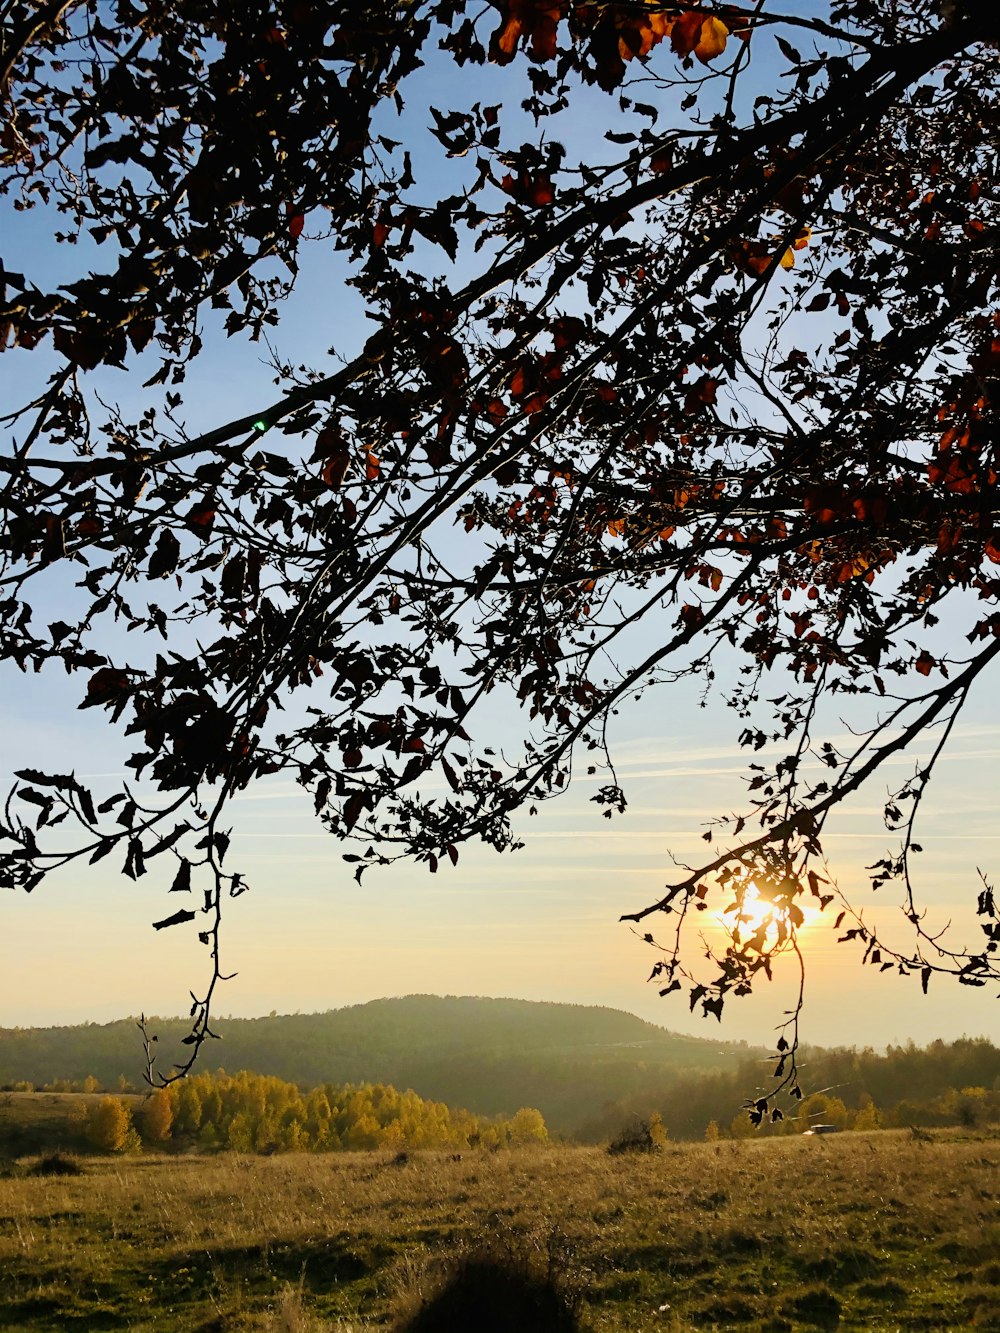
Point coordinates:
pixel 589 1071
pixel 492 1055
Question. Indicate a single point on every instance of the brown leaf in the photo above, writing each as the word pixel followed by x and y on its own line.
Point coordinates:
pixel 336 470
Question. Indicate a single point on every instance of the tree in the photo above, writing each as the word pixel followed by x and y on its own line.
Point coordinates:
pixel 109 1123
pixel 528 1126
pixel 722 383
pixel 157 1116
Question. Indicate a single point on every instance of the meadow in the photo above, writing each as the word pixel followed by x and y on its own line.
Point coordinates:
pixel 853 1231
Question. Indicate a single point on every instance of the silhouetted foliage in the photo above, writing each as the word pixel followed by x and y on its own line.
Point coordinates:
pixel 56 1164
pixel 722 382
pixel 494 1292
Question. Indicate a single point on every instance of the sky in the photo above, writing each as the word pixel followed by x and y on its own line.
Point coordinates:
pixel 541 924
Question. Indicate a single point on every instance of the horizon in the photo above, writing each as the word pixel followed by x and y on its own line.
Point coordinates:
pixel 712 1039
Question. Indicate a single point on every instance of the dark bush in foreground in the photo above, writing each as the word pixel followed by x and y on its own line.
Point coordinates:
pixel 493 1294
pixel 56 1164
pixel 816 1306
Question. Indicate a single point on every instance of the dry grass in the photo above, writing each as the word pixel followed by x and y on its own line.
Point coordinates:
pixel 856 1232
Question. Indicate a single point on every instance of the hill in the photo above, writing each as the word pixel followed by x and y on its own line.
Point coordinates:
pixel 490 1055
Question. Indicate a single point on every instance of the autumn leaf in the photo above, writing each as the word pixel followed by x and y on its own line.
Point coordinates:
pixel 335 470
pixel 534 21
pixel 712 40
pixel 754 257
pixel 799 243
pixel 200 518
pixel 106 686
pixel 954 473
pixel 924 663
pixel 539 190
pixel 638 34
pixel 701 394
pixel 685 33
pixel 695 33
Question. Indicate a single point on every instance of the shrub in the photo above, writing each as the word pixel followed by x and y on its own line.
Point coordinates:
pixel 56 1165
pixel 643 1136
pixel 493 1292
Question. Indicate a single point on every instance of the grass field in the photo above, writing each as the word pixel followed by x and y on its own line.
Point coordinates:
pixel 855 1231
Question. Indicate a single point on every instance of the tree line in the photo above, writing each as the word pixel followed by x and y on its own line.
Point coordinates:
pixel 944 1083
pixel 258 1113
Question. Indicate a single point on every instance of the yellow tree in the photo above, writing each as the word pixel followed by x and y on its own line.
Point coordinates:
pixel 527 1126
pixel 108 1125
pixel 157 1116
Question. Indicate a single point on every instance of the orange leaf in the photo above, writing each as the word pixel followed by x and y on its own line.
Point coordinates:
pixel 371 466
pixel 685 33
pixel 534 20
pixel 755 257
pixel 638 34
pixel 336 470
pixel 296 221
pixel 200 518
pixel 540 191
pixel 505 40
pixel 712 41
pixel 924 663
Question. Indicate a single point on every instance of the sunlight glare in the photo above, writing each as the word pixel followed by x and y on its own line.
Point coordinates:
pixel 757 911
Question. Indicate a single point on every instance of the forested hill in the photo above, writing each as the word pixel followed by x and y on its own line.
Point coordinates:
pixel 490 1055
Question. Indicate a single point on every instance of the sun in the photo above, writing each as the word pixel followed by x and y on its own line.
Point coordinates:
pixel 765 914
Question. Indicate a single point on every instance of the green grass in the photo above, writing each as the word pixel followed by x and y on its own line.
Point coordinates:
pixel 874 1232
